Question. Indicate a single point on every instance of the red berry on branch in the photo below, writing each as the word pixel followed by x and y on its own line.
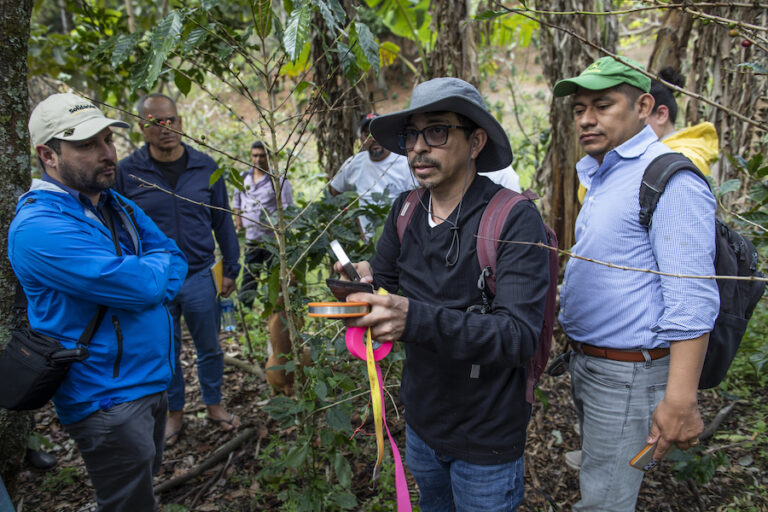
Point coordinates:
pixel 746 43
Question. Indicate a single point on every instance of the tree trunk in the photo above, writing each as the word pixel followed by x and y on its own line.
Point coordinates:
pixel 14 161
pixel 454 53
pixel 671 40
pixel 337 123
pixel 716 74
pixel 565 56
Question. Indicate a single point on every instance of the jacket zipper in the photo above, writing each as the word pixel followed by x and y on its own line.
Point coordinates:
pixel 170 338
pixel 119 334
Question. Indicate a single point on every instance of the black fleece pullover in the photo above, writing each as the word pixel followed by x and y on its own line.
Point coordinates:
pixel 479 418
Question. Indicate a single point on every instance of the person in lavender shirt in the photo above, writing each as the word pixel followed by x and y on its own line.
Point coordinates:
pixel 259 196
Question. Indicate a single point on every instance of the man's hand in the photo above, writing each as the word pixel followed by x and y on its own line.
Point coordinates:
pixel 227 286
pixel 675 423
pixel 387 316
pixel 363 268
pixel 676 419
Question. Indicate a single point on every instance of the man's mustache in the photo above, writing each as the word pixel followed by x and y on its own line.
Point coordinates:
pixel 424 160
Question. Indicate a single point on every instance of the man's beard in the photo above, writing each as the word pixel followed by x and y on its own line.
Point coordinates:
pixel 85 181
pixel 376 153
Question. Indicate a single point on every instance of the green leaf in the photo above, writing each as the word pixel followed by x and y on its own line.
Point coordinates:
pixel 754 66
pixel 262 12
pixel 303 85
pixel 215 176
pixel 182 82
pixel 235 179
pixel 338 419
pixel 321 390
pixel 487 15
pixel 338 11
pixel 124 48
pixel 327 14
pixel 342 469
pixel 368 44
pixel 730 186
pixel 296 31
pixel 348 61
pixel 196 36
pixel 297 455
pixel 345 500
pixel 163 40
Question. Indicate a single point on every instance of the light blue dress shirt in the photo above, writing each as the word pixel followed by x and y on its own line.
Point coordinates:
pixel 621 309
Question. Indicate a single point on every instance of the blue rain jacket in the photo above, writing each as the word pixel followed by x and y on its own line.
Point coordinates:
pixel 65 259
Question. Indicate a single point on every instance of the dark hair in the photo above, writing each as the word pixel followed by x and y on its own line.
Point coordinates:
pixel 663 94
pixel 259 144
pixel 55 145
pixel 630 91
pixel 140 104
pixel 466 122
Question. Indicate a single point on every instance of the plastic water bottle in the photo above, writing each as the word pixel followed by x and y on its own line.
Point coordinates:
pixel 228 323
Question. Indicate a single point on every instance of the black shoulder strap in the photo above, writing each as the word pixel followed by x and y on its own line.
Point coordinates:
pixel 128 209
pixel 655 179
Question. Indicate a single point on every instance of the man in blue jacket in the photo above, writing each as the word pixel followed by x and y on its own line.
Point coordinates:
pixel 64 254
pixel 179 169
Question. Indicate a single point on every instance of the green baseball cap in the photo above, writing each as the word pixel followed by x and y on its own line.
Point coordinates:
pixel 604 73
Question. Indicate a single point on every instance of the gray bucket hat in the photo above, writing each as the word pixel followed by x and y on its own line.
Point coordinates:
pixel 448 95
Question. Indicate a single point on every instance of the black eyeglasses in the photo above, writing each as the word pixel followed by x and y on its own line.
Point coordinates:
pixel 435 135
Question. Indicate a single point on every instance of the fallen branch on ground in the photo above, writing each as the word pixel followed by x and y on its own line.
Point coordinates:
pixel 217 457
pixel 721 415
pixel 250 368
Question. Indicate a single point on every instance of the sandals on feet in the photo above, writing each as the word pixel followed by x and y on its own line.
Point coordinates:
pixel 174 437
pixel 221 422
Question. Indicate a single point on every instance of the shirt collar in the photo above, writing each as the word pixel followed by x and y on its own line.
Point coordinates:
pixel 588 166
pixel 78 196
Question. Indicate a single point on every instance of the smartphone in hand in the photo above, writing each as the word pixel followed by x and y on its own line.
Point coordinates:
pixel 342 257
pixel 644 460
pixel 340 289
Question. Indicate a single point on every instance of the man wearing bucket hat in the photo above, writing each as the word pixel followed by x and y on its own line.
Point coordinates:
pixel 374 170
pixel 76 247
pixel 463 383
pixel 639 338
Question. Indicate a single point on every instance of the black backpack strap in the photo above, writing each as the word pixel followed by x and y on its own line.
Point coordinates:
pixel 655 179
pixel 128 209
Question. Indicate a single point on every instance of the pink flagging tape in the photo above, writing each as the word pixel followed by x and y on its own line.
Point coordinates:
pixel 355 340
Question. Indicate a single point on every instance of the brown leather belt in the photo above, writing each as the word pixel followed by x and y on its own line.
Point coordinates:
pixel 627 356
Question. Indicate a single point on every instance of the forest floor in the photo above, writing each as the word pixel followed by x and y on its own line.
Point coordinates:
pixel 230 485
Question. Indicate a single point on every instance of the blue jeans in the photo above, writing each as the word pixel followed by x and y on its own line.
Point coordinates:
pixel 197 302
pixel 6 505
pixel 447 482
pixel 614 401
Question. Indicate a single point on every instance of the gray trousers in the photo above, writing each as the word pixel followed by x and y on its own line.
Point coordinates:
pixel 122 448
pixel 614 401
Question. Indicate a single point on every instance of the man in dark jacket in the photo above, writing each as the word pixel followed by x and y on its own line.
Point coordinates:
pixel 177 168
pixel 76 245
pixel 463 383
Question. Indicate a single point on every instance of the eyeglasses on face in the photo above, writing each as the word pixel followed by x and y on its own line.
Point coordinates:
pixel 435 135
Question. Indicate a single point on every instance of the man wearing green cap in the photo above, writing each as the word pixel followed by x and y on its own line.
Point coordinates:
pixel 639 338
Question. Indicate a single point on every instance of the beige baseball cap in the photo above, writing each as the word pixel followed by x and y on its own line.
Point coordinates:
pixel 67 116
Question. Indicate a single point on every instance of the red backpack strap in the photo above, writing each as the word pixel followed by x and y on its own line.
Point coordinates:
pixel 406 211
pixel 492 222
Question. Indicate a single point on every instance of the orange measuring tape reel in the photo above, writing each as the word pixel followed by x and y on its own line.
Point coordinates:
pixel 338 309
